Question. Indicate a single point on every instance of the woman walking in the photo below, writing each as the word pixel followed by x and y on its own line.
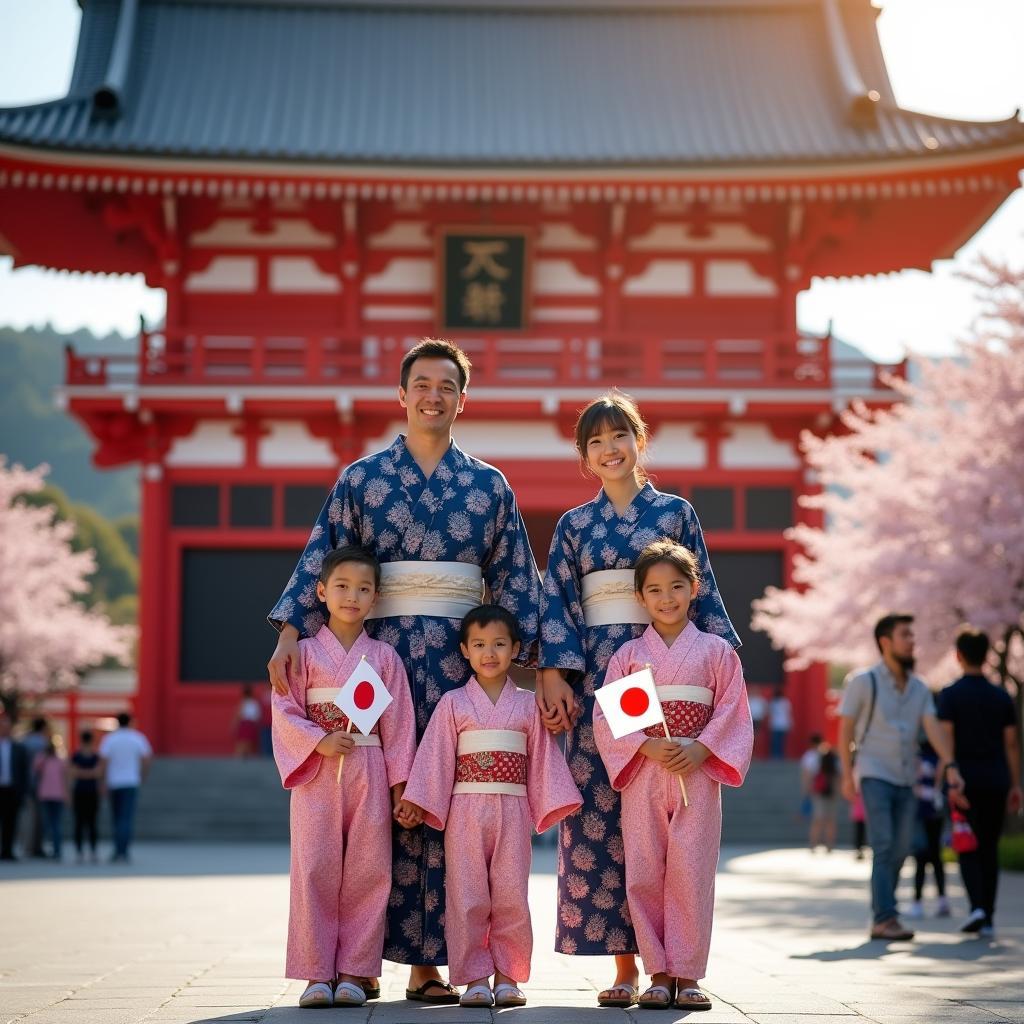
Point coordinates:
pixel 588 611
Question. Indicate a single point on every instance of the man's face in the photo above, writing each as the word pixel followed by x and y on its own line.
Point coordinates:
pixel 434 396
pixel 901 644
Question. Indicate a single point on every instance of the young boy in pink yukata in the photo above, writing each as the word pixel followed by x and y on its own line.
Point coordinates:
pixel 671 849
pixel 487 772
pixel 341 830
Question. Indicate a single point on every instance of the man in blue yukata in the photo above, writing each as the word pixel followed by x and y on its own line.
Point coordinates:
pixel 444 527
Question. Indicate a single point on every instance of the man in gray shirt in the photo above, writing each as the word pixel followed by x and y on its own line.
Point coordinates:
pixel 883 711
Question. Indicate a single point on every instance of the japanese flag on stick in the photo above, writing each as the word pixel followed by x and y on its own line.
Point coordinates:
pixel 630 704
pixel 363 699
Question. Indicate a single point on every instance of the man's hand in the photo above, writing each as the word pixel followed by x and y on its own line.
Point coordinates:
pixel 556 700
pixel 1015 800
pixel 407 814
pixel 336 744
pixel 286 654
pixel 955 786
pixel 848 787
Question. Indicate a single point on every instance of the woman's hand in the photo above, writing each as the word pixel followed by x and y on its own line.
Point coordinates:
pixel 286 651
pixel 556 700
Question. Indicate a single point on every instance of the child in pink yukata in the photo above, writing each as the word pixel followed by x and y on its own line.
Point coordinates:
pixel 672 850
pixel 487 772
pixel 341 830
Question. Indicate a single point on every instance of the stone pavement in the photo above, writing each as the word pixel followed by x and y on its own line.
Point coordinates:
pixel 192 933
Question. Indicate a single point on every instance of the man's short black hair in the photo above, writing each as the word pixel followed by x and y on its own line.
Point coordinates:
pixel 888 623
pixel 484 615
pixel 350 553
pixel 437 348
pixel 38 724
pixel 86 735
pixel 124 719
pixel 973 646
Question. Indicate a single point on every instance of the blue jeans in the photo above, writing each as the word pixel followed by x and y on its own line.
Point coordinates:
pixel 778 744
pixel 53 823
pixel 122 805
pixel 889 812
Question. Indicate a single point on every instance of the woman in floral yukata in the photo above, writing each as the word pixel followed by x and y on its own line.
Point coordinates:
pixel 587 612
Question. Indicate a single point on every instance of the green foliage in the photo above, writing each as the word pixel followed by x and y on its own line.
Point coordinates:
pixel 33 430
pixel 1011 853
pixel 115 583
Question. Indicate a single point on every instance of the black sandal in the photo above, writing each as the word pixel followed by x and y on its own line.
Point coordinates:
pixel 449 996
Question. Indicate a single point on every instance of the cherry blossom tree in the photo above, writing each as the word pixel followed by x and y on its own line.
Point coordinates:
pixel 48 635
pixel 924 509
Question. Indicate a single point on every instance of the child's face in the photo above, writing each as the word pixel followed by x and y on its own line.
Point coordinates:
pixel 489 650
pixel 349 593
pixel 612 454
pixel 666 594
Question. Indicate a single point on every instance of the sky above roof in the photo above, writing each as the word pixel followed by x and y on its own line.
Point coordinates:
pixel 944 57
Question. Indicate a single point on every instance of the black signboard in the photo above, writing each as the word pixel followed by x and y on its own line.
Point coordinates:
pixel 483 279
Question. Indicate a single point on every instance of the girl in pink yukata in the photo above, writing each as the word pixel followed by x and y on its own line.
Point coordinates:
pixel 671 849
pixel 341 830
pixel 487 772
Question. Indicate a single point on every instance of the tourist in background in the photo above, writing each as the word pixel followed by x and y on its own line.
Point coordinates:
pixel 758 711
pixel 819 779
pixel 248 716
pixel 125 755
pixel 14 784
pixel 928 832
pixel 50 770
pixel 780 721
pixel 980 722
pixel 85 794
pixel 35 742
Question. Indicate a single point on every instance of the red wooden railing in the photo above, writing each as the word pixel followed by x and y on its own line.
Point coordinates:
pixel 215 358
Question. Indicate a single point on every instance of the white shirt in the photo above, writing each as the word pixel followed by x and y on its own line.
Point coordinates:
pixel 780 714
pixel 810 762
pixel 758 707
pixel 123 750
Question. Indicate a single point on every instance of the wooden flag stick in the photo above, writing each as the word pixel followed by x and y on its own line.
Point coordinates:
pixel 341 760
pixel 668 736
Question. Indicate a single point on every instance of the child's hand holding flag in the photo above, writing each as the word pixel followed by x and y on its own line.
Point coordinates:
pixel 363 699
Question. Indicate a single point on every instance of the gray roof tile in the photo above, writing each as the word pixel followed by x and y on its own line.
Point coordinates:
pixel 474 83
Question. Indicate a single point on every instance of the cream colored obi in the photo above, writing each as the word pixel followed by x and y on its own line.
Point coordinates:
pixel 608 599
pixel 321 709
pixel 491 761
pixel 446 590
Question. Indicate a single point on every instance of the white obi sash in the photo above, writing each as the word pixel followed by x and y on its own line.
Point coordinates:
pixel 326 695
pixel 608 599
pixel 488 758
pixel 446 590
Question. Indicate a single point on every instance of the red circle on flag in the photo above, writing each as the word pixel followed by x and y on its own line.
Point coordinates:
pixel 363 696
pixel 634 702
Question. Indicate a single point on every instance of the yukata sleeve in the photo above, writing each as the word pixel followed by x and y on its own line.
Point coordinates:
pixel 708 612
pixel 337 524
pixel 294 736
pixel 729 735
pixel 398 723
pixel 622 758
pixel 511 573
pixel 561 610
pixel 550 790
pixel 433 772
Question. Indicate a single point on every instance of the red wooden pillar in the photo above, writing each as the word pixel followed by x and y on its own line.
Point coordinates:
pixel 154 682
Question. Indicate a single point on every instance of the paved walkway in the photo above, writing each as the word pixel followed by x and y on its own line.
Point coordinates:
pixel 195 933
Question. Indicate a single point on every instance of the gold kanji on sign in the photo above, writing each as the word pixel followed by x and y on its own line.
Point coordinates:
pixel 482 303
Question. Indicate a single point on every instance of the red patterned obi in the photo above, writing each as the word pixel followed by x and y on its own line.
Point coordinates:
pixel 321 709
pixel 687 710
pixel 491 761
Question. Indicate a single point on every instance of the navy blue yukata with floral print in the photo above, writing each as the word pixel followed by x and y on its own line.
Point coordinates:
pixel 593 916
pixel 465 512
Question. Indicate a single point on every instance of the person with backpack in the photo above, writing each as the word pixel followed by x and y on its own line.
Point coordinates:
pixel 883 710
pixel 819 773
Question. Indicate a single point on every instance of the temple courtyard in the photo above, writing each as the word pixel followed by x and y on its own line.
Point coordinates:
pixel 192 932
